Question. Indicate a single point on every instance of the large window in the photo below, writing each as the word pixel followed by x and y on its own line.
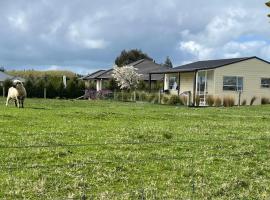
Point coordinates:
pixel 265 82
pixel 233 83
pixel 172 83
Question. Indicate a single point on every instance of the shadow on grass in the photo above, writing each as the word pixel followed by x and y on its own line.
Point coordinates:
pixel 36 108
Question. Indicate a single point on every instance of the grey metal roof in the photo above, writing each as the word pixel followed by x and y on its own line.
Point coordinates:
pixel 207 64
pixel 144 67
pixel 4 76
pixel 93 75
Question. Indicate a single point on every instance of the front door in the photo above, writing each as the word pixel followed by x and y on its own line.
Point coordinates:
pixel 202 87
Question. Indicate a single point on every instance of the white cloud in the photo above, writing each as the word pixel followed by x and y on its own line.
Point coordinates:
pixel 196 49
pixel 85 37
pixel 223 36
pixel 90 34
pixel 18 21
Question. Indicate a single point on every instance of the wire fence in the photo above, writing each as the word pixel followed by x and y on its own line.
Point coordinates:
pixel 192 162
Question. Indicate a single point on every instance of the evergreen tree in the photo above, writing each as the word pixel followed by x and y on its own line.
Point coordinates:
pixel 168 62
pixel 127 57
pixel 268 4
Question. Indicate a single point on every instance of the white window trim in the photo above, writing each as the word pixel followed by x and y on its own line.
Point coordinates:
pixel 237 85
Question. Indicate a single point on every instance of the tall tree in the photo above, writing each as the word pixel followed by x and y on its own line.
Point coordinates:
pixel 127 57
pixel 168 62
pixel 2 69
pixel 268 4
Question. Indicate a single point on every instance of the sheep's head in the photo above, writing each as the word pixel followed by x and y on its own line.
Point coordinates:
pixel 17 83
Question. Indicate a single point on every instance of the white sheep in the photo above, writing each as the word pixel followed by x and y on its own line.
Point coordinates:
pixel 17 93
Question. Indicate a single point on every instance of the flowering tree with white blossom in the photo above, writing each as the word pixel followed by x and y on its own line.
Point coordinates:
pixel 127 77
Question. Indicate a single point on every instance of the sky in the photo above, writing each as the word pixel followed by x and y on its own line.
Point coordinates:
pixel 87 35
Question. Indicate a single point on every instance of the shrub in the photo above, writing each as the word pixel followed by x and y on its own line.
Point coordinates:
pixel 164 99
pixel 123 96
pixel 228 101
pixel 197 100
pixel 153 98
pixel 184 100
pixel 253 99
pixel 143 96
pixel 265 100
pixel 217 101
pixel 210 100
pixel 174 100
pixel 244 102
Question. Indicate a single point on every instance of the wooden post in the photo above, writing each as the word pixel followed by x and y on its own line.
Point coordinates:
pixel 150 82
pixel 178 83
pixel 4 91
pixel 159 97
pixel 194 88
pixel 239 99
pixel 45 93
pixel 163 82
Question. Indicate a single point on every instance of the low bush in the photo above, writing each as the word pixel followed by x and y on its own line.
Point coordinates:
pixel 153 98
pixel 265 100
pixel 184 100
pixel 174 100
pixel 217 101
pixel 228 101
pixel 123 96
pixel 197 100
pixel 244 102
pixel 143 96
pixel 253 99
pixel 164 99
pixel 210 100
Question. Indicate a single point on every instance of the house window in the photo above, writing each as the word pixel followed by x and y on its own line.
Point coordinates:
pixel 265 82
pixel 233 83
pixel 172 83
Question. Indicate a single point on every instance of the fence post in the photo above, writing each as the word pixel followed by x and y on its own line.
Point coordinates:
pixel 239 98
pixel 192 178
pixel 135 95
pixel 45 93
pixel 4 91
pixel 159 97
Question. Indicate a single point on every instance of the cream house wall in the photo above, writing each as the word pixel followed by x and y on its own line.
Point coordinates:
pixel 252 71
pixel 187 82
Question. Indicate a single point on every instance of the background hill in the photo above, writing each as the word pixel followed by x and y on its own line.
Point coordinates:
pixel 40 74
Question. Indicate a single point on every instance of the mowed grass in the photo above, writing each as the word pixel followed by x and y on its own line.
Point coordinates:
pixel 60 149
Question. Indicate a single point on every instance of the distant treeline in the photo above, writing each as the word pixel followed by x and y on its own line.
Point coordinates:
pixel 54 87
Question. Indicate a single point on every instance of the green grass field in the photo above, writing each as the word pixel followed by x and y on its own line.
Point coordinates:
pixel 60 149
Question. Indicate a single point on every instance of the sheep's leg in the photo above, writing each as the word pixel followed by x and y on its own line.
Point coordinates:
pixel 7 101
pixel 17 102
pixel 22 101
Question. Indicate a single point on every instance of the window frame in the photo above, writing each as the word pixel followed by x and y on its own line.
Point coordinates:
pixel 236 86
pixel 262 85
pixel 175 80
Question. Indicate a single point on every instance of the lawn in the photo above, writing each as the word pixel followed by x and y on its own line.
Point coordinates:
pixel 60 149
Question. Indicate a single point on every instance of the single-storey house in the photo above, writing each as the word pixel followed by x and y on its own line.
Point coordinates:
pixel 143 66
pixel 4 76
pixel 239 78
